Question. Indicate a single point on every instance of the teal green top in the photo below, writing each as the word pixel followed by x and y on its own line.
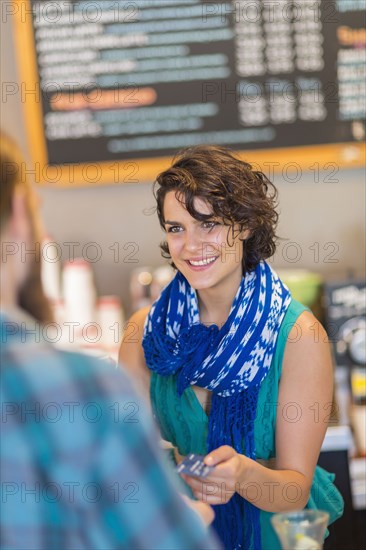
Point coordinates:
pixel 184 423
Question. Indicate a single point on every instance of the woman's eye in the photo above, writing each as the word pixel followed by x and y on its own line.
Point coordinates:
pixel 174 229
pixel 209 225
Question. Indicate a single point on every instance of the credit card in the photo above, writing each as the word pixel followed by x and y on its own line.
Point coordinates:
pixel 193 465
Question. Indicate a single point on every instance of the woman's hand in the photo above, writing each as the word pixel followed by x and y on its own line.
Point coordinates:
pixel 221 484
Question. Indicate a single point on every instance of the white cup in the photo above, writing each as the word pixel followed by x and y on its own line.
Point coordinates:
pixel 111 320
pixel 79 292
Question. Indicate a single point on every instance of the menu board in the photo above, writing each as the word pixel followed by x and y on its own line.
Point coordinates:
pixel 122 85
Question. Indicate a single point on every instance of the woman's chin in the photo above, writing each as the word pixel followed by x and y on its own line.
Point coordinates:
pixel 197 282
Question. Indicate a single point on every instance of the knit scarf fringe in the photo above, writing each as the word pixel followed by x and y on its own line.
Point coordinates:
pixel 226 420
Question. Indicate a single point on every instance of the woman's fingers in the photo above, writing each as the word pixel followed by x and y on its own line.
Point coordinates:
pixel 221 454
pixel 210 492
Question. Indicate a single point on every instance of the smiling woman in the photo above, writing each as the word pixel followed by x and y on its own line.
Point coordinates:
pixel 223 342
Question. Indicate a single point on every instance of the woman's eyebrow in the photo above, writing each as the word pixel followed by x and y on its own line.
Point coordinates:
pixel 168 222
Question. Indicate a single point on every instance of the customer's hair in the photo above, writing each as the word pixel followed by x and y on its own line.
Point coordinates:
pixel 31 296
pixel 237 195
pixel 10 162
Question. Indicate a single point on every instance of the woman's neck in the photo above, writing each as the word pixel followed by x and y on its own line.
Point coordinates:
pixel 214 306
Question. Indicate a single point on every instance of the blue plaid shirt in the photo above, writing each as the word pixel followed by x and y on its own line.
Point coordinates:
pixel 79 464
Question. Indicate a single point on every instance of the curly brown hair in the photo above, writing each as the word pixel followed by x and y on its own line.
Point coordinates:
pixel 238 195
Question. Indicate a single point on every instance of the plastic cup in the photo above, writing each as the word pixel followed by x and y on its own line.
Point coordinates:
pixel 301 529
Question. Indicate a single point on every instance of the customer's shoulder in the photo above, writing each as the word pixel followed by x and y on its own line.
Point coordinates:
pixel 46 368
pixel 81 366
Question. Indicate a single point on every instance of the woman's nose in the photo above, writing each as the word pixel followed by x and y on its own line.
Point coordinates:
pixel 192 241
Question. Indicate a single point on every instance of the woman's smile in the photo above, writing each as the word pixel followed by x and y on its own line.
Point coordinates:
pixel 201 264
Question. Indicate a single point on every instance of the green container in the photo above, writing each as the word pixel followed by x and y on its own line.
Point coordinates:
pixel 304 285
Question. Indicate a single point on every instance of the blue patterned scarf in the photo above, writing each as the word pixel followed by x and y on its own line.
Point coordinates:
pixel 230 361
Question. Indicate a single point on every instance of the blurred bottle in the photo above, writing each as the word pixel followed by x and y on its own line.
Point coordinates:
pixel 79 294
pixel 51 269
pixel 140 287
pixel 111 321
pixel 65 341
